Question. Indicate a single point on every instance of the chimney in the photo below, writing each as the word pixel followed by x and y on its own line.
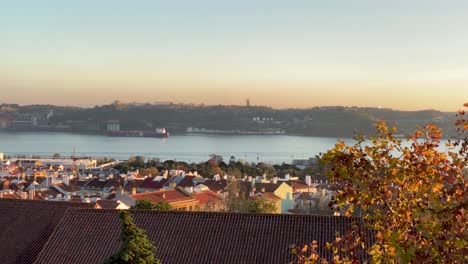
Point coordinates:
pixel 32 193
pixel 6 184
pixel 308 180
pixel 263 189
pixel 275 180
pixel 163 195
pixel 134 188
pixel 65 179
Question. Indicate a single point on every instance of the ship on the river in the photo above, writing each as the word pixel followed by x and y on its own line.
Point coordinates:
pixel 263 132
pixel 157 133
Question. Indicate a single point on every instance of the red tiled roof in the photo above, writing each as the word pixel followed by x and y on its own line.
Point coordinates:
pixel 90 236
pixel 25 226
pixel 298 185
pixel 268 196
pixel 170 196
pixel 207 197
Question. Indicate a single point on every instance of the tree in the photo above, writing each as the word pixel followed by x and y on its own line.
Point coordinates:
pixel 56 156
pixel 146 204
pixel 412 197
pixel 137 248
pixel 151 171
pixel 162 206
pixel 261 206
pixel 143 205
pixel 267 169
pixel 234 200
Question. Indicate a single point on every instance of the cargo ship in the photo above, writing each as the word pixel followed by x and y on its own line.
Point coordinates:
pixel 157 133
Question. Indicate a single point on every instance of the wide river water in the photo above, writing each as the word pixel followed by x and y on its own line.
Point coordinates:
pixel 189 147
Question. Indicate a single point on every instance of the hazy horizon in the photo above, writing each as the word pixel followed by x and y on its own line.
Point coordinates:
pixel 284 54
pixel 220 104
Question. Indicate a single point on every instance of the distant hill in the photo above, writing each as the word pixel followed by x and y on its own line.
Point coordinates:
pixel 318 121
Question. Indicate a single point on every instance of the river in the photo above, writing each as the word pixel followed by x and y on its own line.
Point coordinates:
pixel 189 147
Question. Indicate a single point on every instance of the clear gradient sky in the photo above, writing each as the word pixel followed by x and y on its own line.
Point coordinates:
pixel 401 54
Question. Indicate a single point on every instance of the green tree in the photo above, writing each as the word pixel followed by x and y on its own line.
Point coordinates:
pixel 137 248
pixel 262 206
pixel 162 206
pixel 146 204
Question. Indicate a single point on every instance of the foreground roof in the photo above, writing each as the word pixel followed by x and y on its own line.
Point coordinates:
pixel 90 236
pixel 25 226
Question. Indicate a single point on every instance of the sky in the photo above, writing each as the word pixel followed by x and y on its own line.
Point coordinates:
pixel 399 54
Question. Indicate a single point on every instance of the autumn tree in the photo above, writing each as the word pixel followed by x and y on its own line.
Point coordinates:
pixel 410 193
pixel 137 248
pixel 151 171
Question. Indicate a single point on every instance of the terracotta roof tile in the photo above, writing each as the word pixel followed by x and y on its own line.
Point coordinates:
pixel 170 196
pixel 207 197
pixel 268 196
pixel 298 185
pixel 25 226
pixel 90 236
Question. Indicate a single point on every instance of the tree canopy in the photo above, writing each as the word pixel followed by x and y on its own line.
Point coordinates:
pixel 261 206
pixel 410 193
pixel 149 205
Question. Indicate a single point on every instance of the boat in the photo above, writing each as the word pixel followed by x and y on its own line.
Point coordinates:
pixel 157 133
pixel 263 132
